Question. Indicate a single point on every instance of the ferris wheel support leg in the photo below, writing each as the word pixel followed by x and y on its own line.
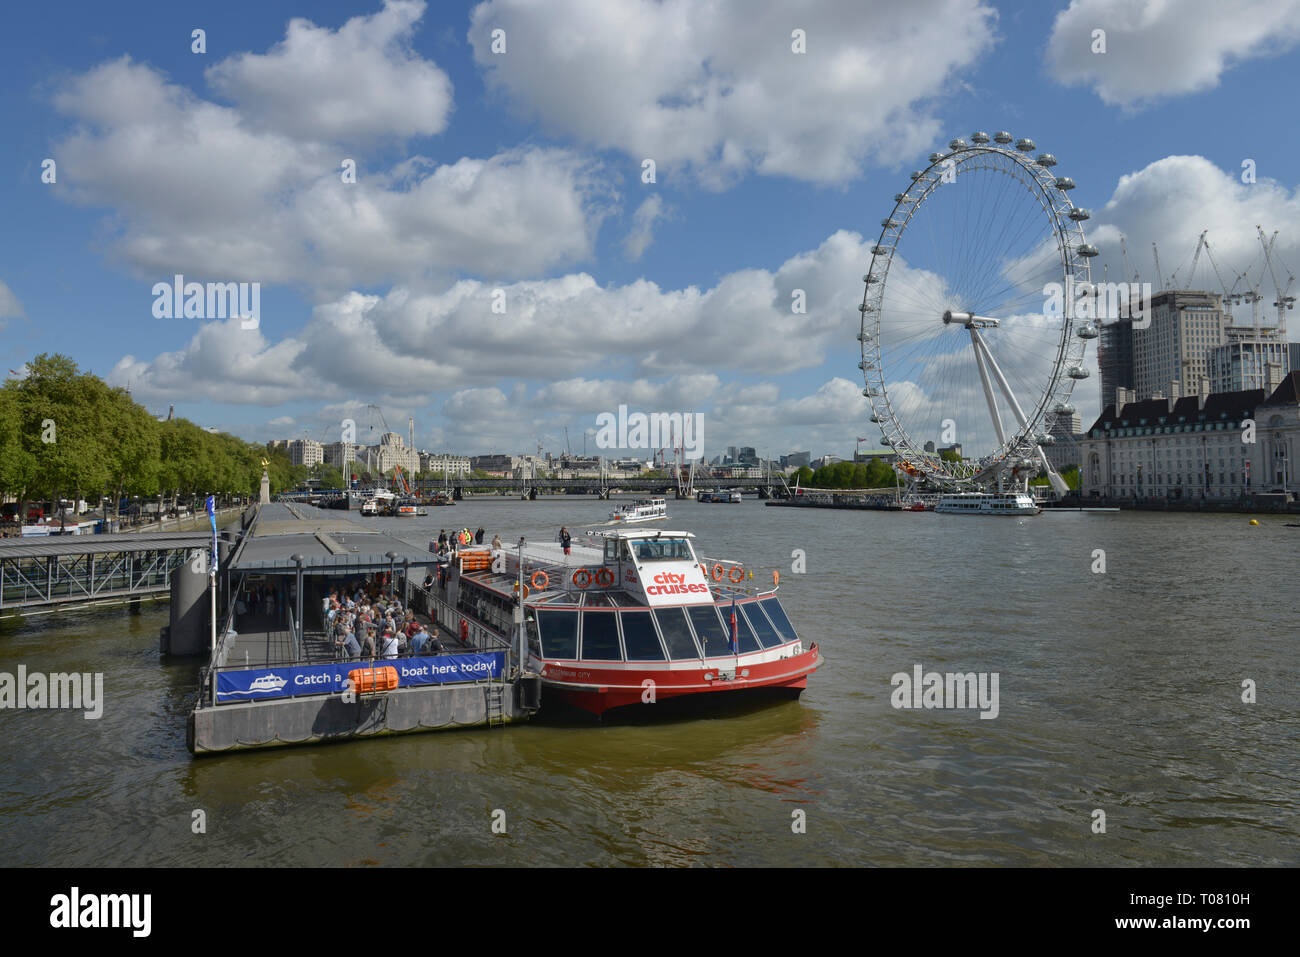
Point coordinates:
pixel 1058 483
pixel 977 344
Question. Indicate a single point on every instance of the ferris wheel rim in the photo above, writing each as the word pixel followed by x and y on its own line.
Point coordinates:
pixel 1074 256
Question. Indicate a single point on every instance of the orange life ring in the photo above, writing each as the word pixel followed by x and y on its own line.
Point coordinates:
pixel 718 572
pixel 604 577
pixel 516 589
pixel 545 580
pixel 732 574
pixel 586 578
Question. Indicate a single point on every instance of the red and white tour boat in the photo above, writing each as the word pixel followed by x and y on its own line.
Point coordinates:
pixel 634 617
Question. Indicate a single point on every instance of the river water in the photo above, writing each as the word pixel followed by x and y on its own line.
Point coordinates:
pixel 1119 691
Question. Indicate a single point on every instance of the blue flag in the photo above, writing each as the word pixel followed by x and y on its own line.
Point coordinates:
pixel 212 517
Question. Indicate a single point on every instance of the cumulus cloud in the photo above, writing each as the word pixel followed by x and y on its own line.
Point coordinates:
pixel 343 86
pixel 10 307
pixel 1156 48
pixel 225 193
pixel 641 235
pixel 718 87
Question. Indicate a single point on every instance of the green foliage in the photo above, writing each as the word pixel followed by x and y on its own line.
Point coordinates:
pixel 846 475
pixel 64 432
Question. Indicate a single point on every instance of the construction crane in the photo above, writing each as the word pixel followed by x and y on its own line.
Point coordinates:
pixel 1228 296
pixel 568 449
pixel 1160 280
pixel 1283 301
pixel 1127 268
pixel 1196 255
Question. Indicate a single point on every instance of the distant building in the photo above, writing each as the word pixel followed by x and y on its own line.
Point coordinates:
pixel 340 454
pixel 1115 358
pixel 796 459
pixel 446 463
pixel 494 464
pixel 391 451
pixel 306 452
pixel 1064 452
pixel 1174 349
pixel 1191 447
pixel 955 449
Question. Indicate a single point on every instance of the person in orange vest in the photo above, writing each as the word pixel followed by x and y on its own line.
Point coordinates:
pixel 464 631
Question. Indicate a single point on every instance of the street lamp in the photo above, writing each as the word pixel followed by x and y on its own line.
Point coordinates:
pixel 297 560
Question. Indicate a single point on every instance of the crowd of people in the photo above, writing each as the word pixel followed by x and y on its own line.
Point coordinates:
pixel 370 622
pixel 444 546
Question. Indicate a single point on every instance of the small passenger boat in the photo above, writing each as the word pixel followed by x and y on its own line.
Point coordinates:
pixel 642 510
pixel 639 619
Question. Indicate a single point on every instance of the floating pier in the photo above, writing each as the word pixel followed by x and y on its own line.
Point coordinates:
pixel 274 677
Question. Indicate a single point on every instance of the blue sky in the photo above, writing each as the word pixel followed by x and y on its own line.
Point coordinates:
pixel 521 171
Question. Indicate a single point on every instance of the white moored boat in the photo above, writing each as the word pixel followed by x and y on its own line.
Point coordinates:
pixel 988 503
pixel 642 510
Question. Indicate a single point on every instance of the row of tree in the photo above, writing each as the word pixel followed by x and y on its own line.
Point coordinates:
pixel 873 474
pixel 66 433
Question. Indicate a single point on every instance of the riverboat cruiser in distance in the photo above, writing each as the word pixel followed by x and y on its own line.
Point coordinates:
pixel 639 619
pixel 642 510
pixel 988 503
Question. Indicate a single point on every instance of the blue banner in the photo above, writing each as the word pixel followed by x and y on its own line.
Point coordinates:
pixel 212 517
pixel 254 684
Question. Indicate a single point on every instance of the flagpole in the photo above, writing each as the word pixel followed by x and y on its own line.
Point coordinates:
pixel 212 586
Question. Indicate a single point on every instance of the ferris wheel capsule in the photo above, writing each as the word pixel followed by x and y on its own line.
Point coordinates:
pixel 979 138
pixel 935 157
pixel 957 144
pixel 1077 372
pixel 1064 408
pixel 1064 183
pixel 1087 331
pixel 1079 214
pixel 1026 145
pixel 1088 249
pixel 1003 137
pixel 1046 160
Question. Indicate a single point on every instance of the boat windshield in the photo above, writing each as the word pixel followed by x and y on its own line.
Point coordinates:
pixel 662 550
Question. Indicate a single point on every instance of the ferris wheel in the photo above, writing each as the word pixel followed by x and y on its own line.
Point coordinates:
pixel 973 333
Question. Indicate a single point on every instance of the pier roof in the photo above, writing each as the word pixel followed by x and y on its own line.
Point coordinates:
pixel 62 545
pixel 328 544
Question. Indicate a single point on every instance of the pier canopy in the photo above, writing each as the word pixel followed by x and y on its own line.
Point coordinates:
pixel 327 544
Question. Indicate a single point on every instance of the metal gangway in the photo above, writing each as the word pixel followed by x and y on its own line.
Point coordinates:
pixel 74 570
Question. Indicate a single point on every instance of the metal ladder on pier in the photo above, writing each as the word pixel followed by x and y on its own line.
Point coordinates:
pixel 496 704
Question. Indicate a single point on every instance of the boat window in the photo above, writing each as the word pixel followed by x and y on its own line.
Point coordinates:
pixel 600 637
pixel 766 633
pixel 639 637
pixel 748 642
pixel 559 631
pixel 677 633
pixel 663 550
pixel 709 627
pixel 774 611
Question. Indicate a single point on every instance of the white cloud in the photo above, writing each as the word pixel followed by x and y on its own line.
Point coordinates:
pixel 10 307
pixel 346 86
pixel 717 87
pixel 202 189
pixel 641 235
pixel 1158 48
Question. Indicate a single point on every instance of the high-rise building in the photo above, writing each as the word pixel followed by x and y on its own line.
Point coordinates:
pixel 1249 361
pixel 1172 355
pixel 1115 358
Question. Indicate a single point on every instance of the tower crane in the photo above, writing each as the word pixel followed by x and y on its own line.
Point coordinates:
pixel 1160 280
pixel 1123 248
pixel 1283 301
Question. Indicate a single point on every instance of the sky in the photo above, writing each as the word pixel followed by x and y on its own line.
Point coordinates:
pixel 448 210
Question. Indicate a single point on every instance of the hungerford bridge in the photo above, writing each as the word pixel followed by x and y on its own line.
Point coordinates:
pixel 768 486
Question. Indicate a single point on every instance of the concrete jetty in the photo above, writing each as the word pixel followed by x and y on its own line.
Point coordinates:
pixel 275 678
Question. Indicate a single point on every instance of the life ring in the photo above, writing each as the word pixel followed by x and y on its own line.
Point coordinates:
pixel 586 578
pixel 718 572
pixel 732 574
pixel 545 580
pixel 604 577
pixel 516 589
pixel 704 570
